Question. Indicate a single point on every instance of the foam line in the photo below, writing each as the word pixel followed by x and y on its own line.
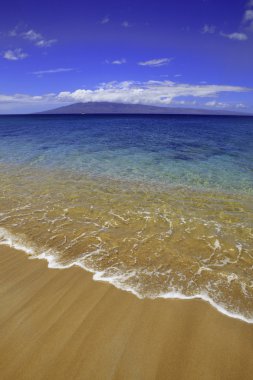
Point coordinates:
pixel 13 241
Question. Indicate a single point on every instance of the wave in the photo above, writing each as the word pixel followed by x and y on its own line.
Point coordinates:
pixel 18 242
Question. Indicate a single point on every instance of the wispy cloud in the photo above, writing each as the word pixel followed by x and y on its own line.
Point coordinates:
pixel 241 35
pixel 116 61
pixel 31 35
pixel 235 36
pixel 37 38
pixel 53 71
pixel 45 43
pixel 21 98
pixel 208 29
pixel 216 104
pixel 126 24
pixel 26 103
pixel 13 32
pixel 14 55
pixel 184 102
pixel 240 105
pixel 105 20
pixel 248 15
pixel 119 61
pixel 156 62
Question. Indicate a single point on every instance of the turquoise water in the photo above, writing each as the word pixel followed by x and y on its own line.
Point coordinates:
pixel 161 206
pixel 208 152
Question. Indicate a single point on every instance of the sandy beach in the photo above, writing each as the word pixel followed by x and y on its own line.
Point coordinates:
pixel 60 324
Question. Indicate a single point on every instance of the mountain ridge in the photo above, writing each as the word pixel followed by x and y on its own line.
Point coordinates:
pixel 125 108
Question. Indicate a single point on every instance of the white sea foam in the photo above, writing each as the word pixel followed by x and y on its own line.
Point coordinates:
pixel 117 278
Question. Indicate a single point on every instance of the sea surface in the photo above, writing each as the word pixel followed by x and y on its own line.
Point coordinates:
pixel 161 206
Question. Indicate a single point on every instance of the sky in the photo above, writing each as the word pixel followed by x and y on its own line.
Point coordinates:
pixel 183 53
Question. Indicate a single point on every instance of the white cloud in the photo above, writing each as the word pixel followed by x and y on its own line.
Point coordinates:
pixel 119 61
pixel 20 98
pixel 125 24
pixel 156 62
pixel 250 3
pixel 235 36
pixel 15 55
pixel 23 103
pixel 105 20
pixel 216 104
pixel 116 61
pixel 151 92
pixel 184 102
pixel 240 105
pixel 31 35
pixel 45 43
pixel 53 71
pixel 248 15
pixel 208 29
pixel 161 93
pixel 248 19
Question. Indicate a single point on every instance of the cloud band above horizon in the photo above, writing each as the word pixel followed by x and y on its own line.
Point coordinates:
pixel 160 93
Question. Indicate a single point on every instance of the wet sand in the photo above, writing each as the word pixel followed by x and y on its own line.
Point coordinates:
pixel 60 324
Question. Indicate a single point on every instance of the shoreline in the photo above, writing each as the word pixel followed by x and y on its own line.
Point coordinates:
pixel 11 241
pixel 60 324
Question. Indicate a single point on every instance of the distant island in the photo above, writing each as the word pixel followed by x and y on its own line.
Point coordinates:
pixel 120 108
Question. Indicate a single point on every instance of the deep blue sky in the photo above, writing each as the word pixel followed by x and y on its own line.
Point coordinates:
pixel 80 47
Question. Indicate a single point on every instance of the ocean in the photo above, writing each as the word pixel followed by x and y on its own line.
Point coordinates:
pixel 160 206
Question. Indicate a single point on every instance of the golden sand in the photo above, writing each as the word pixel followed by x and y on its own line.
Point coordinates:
pixel 154 240
pixel 60 324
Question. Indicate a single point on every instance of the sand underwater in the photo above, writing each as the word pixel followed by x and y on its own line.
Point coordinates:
pixel 159 207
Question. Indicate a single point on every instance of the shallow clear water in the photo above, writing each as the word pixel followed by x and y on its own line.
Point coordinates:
pixel 157 205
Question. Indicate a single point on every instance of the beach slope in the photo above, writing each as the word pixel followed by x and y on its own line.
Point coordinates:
pixel 60 324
